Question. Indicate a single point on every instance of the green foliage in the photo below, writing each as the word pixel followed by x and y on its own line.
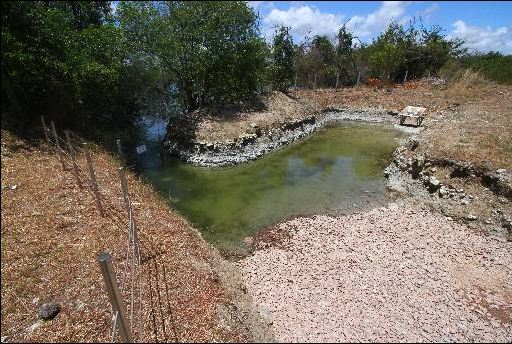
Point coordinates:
pixel 315 62
pixel 398 51
pixel 345 61
pixel 208 52
pixel 493 65
pixel 63 60
pixel 283 59
pixel 78 64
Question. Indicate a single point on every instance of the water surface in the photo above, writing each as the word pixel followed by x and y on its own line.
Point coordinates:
pixel 334 169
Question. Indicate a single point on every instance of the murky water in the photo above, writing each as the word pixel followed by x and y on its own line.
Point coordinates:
pixel 332 170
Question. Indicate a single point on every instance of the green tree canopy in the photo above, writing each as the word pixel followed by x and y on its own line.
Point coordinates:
pixel 207 52
pixel 283 56
pixel 64 59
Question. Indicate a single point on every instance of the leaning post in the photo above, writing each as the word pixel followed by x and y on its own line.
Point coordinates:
pixel 75 166
pixel 105 262
pixel 93 179
pixel 45 130
pixel 59 152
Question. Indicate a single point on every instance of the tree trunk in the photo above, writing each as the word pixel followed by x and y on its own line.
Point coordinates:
pixel 405 77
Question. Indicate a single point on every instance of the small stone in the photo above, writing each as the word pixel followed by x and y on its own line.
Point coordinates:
pixel 488 222
pixel 443 191
pixel 471 217
pixel 501 170
pixel 48 311
pixel 460 190
pixel 14 187
pixel 464 202
pixel 434 184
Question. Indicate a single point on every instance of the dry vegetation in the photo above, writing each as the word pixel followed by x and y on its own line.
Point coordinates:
pixel 468 120
pixel 52 234
pixel 264 111
pixel 471 120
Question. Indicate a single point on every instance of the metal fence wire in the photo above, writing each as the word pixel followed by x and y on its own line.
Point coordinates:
pixel 126 316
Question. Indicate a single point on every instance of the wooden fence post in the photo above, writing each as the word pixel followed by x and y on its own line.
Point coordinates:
pixel 358 78
pixel 93 178
pixel 128 204
pixel 405 77
pixel 75 166
pixel 59 152
pixel 105 262
pixel 45 130
pixel 120 150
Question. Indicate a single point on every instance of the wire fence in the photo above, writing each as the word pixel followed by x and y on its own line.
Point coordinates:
pixel 126 296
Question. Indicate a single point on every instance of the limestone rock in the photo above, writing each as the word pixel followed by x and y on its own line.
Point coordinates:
pixel 433 184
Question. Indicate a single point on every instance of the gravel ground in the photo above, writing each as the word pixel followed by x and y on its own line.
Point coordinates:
pixel 400 273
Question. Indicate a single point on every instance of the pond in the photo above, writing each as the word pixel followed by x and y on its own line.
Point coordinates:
pixel 335 169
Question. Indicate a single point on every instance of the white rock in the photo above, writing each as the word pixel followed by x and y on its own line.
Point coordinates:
pixel 471 217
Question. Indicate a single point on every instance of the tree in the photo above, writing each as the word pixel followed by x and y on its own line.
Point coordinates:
pixel 283 58
pixel 64 59
pixel 345 63
pixel 324 55
pixel 386 54
pixel 208 53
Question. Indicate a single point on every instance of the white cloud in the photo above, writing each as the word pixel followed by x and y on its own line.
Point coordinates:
pixel 427 13
pixel 303 20
pixel 373 23
pixel 483 38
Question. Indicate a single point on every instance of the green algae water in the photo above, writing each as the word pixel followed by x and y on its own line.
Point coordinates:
pixel 334 169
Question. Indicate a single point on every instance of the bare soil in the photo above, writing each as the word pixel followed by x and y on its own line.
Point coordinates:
pixel 466 121
pixel 52 234
pixel 265 111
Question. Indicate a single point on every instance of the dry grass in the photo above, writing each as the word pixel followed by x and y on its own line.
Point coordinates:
pixel 471 120
pixel 468 120
pixel 265 111
pixel 52 234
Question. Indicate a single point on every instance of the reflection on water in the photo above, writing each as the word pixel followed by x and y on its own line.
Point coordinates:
pixel 328 171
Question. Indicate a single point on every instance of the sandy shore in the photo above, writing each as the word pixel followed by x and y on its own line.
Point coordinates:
pixel 391 274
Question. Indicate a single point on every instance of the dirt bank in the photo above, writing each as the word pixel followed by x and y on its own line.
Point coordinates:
pixel 52 234
pixel 401 273
pixel 252 146
pixel 465 122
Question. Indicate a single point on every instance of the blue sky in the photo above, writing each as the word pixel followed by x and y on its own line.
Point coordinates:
pixel 485 25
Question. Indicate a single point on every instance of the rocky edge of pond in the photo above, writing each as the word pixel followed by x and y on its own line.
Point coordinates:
pixel 416 175
pixel 254 143
pixel 409 173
